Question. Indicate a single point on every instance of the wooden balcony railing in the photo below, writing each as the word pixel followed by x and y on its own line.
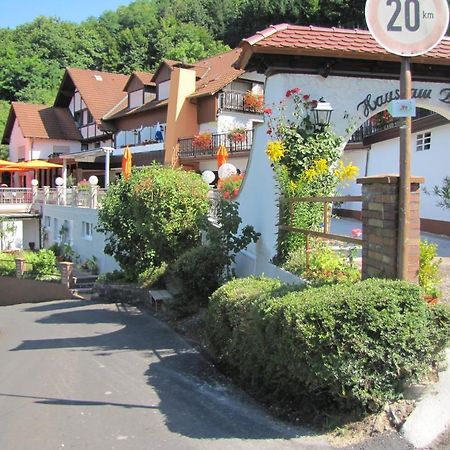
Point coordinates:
pixel 234 101
pixel 188 149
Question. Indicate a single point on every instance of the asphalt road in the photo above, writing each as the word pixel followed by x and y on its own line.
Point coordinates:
pixel 81 375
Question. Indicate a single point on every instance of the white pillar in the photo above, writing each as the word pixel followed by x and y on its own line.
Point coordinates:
pixel 107 164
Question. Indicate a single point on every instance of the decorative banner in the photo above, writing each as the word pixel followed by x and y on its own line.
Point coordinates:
pixel 222 156
pixel 208 176
pixel 227 170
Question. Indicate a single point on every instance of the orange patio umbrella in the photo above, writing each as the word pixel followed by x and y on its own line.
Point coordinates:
pixel 4 163
pixel 222 155
pixel 126 163
pixel 36 164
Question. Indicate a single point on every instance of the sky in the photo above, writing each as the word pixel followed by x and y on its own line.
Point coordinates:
pixel 16 12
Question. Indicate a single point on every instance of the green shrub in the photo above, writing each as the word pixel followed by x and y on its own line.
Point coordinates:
pixel 153 277
pixel 429 277
pixel 326 266
pixel 43 264
pixel 153 217
pixel 353 346
pixel 7 265
pixel 199 272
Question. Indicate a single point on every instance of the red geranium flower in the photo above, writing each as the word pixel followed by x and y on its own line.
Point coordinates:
pixel 227 195
pixel 306 98
pixel 269 131
pixel 296 90
pixel 268 111
pixel 314 103
pixel 288 93
pixel 236 192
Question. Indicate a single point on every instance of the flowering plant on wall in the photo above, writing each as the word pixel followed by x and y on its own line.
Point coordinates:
pixel 202 140
pixel 237 134
pixel 253 101
pixel 83 185
pixel 229 187
pixel 306 161
pixel 382 119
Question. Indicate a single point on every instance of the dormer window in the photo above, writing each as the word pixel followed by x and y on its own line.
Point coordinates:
pixel 135 98
pixel 163 90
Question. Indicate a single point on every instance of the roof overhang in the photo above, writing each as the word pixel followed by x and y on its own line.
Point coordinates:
pixel 88 155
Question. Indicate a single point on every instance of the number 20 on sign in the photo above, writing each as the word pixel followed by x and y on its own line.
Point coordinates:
pixel 407 27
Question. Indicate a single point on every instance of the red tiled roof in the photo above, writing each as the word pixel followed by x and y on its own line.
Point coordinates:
pixel 145 78
pixel 336 42
pixel 101 91
pixel 42 121
pixel 216 72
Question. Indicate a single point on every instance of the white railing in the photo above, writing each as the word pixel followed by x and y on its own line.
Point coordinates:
pixel 21 198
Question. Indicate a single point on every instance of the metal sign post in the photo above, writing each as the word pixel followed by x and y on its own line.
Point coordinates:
pixel 405 173
pixel 407 28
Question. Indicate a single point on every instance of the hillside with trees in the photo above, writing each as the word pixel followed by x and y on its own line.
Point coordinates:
pixel 137 36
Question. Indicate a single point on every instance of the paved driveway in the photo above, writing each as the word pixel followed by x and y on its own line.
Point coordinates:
pixel 81 375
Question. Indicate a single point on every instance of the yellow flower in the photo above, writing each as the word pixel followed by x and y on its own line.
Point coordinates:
pixel 317 168
pixel 292 186
pixel 346 173
pixel 275 150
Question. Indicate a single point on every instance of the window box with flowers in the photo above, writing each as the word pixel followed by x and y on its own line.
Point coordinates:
pixel 202 141
pixel 253 101
pixel 236 135
pixel 229 187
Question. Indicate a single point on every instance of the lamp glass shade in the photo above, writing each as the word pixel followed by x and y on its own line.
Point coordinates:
pixel 208 176
pixel 93 180
pixel 34 182
pixel 59 181
pixel 227 170
pixel 322 113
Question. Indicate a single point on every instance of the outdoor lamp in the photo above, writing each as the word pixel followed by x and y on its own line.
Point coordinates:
pixel 322 113
pixel 34 182
pixel 93 180
pixel 59 181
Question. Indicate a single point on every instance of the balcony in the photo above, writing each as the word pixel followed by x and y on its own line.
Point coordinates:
pixel 236 101
pixel 189 149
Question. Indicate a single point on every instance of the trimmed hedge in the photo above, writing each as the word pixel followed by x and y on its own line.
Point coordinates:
pixel 353 346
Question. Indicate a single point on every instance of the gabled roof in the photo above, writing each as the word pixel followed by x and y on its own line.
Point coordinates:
pixel 144 77
pixel 41 121
pixel 216 72
pixel 121 109
pixel 170 63
pixel 101 91
pixel 332 42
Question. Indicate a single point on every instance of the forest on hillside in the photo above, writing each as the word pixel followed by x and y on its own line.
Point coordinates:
pixel 137 36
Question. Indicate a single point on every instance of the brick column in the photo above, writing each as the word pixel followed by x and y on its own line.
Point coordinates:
pixel 20 267
pixel 380 227
pixel 66 273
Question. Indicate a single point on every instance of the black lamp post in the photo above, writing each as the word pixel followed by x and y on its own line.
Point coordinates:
pixel 322 114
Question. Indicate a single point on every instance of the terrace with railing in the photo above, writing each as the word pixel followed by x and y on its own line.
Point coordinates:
pixel 239 101
pixel 191 148
pixel 17 200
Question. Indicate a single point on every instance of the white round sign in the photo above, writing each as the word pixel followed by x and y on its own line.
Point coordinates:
pixel 407 27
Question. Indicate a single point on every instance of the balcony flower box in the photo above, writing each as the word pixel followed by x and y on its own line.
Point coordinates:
pixel 236 135
pixel 202 141
pixel 253 102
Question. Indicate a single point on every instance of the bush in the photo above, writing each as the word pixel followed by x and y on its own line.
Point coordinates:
pixel 7 265
pixel 429 277
pixel 43 264
pixel 353 346
pixel 326 266
pixel 153 217
pixel 199 272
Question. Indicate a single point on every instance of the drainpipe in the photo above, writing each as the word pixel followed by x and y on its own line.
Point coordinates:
pixel 367 161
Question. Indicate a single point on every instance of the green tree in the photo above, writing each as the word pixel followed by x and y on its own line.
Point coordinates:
pixel 153 217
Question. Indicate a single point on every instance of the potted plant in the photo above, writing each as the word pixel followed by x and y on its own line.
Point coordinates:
pixel 202 140
pixel 229 187
pixel 237 134
pixel 253 101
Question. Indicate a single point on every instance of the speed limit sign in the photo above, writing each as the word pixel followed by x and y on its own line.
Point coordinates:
pixel 407 27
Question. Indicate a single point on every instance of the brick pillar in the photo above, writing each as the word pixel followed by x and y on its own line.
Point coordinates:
pixel 380 227
pixel 66 273
pixel 20 267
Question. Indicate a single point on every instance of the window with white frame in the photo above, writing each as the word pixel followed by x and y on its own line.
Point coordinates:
pixel 87 229
pixel 423 141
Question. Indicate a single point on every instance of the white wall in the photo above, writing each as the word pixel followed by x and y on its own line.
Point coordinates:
pixel 228 120
pixel 433 165
pixel 86 248
pixel 19 146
